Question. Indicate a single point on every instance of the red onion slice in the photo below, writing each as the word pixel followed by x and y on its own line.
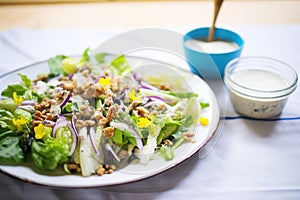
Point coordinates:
pixel 27 108
pixel 92 139
pixel 29 103
pixel 148 86
pixel 70 76
pixel 63 123
pixel 73 126
pixel 110 149
pixel 154 100
pixel 66 99
pixel 157 97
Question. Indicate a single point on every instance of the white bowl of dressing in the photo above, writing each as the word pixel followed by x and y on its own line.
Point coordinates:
pixel 258 86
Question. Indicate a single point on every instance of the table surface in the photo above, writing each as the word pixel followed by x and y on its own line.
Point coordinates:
pixel 250 160
pixel 138 14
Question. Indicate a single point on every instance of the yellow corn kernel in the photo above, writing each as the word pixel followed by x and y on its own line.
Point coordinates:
pixel 204 121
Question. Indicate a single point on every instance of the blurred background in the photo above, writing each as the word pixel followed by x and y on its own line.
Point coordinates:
pixel 137 13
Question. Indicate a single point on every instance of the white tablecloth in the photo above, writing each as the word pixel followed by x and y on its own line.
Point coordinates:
pixel 251 160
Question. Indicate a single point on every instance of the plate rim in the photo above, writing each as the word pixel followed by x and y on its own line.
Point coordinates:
pixel 145 175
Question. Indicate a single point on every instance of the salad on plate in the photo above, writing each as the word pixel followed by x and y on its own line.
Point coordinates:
pixel 87 116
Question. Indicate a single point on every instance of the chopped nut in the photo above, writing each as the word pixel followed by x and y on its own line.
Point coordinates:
pixel 100 170
pixel 164 87
pixel 106 169
pixel 102 121
pixel 49 116
pixel 115 83
pixel 109 171
pixel 111 113
pixel 41 77
pixel 189 137
pixel 187 134
pixel 134 104
pixel 36 122
pixel 108 132
pixel 168 142
pixel 162 107
pixel 74 168
pixel 69 85
pixel 154 112
pixel 42 115
pixel 110 167
pixel 108 98
pixel 64 78
pixel 38 115
pixel 85 72
pixel 90 122
pixel 98 116
pixel 142 111
pixel 79 123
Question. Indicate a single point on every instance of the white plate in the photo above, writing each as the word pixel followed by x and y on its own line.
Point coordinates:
pixel 133 172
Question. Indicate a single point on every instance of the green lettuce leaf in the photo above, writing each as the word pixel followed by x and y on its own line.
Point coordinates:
pixel 6 121
pixel 18 88
pixel 20 112
pixel 55 64
pixel 85 56
pixel 120 65
pixel 25 80
pixel 204 105
pixel 8 105
pixel 100 57
pixel 10 151
pixel 170 127
pixel 10 133
pixel 167 152
pixel 50 153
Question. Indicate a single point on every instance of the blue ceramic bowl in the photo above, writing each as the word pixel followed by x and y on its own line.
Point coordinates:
pixel 211 65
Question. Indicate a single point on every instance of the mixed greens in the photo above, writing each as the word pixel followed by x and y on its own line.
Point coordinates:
pixel 92 117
